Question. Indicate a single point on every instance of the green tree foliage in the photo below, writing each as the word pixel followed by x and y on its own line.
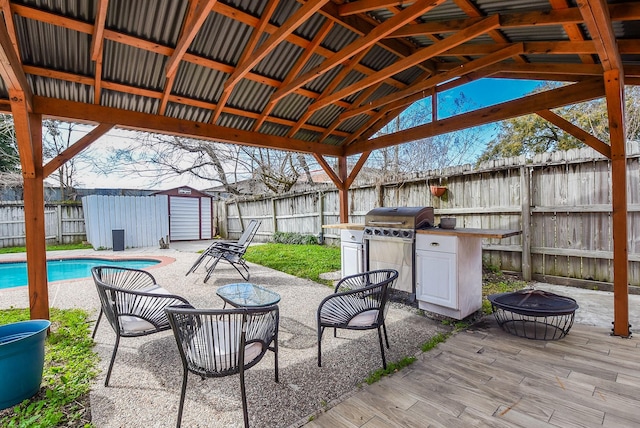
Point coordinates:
pixel 531 134
pixel 9 159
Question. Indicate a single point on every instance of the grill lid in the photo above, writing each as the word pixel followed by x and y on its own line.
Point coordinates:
pixel 400 217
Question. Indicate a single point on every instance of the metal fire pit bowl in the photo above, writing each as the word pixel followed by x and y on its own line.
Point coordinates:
pixel 534 314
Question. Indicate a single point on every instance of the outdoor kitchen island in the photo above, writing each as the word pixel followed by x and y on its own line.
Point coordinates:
pixel 448 265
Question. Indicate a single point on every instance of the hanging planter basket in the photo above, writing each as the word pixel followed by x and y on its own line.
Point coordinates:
pixel 437 190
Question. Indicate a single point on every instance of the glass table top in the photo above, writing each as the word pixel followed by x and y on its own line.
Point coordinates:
pixel 247 295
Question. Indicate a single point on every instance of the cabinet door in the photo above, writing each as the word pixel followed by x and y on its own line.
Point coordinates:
pixel 351 259
pixel 436 278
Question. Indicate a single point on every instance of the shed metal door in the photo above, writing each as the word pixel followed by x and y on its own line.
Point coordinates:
pixel 184 218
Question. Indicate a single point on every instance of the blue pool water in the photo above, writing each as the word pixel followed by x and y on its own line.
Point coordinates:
pixel 14 274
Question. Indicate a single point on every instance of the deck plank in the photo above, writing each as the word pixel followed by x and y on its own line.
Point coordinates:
pixel 488 378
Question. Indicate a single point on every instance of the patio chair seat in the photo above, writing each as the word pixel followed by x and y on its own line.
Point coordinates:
pixel 218 354
pixel 132 302
pixel 359 302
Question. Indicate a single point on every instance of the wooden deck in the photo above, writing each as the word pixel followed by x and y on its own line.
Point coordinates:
pixel 485 377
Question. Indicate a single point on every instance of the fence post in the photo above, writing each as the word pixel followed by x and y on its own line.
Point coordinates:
pixel 320 217
pixel 59 218
pixel 274 215
pixel 525 199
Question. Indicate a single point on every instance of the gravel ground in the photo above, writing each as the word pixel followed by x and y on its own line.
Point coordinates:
pixel 144 389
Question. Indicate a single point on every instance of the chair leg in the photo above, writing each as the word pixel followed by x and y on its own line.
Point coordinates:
pixel 113 359
pixel 320 331
pixel 95 328
pixel 211 268
pixel 386 338
pixel 197 263
pixel 384 360
pixel 243 392
pixel 275 356
pixel 182 396
pixel 235 265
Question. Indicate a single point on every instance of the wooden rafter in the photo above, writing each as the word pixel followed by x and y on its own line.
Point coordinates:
pixel 360 44
pixel 362 6
pixel 8 21
pixel 98 29
pixel 422 88
pixel 573 30
pixel 559 97
pixel 10 69
pixel 192 25
pixel 593 142
pixel 410 61
pixel 244 64
pixel 144 121
pixel 571 16
pixel 596 18
pixel 297 67
pixel 76 148
pixel 294 21
pixel 470 9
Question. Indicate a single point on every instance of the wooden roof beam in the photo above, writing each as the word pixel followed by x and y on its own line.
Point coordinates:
pixel 618 12
pixel 422 88
pixel 598 22
pixel 5 7
pixel 472 10
pixel 297 67
pixel 293 22
pixel 98 30
pixel 570 94
pixel 192 24
pixel 573 30
pixel 422 55
pixel 362 6
pixel 76 148
pixel 593 142
pixel 330 172
pixel 11 71
pixel 151 122
pixel 244 59
pixel 357 46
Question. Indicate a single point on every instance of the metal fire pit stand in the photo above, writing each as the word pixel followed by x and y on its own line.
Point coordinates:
pixel 534 314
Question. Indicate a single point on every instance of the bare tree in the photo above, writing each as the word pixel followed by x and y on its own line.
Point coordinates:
pixel 160 157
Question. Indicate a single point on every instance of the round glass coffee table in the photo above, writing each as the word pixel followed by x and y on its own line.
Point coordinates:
pixel 245 294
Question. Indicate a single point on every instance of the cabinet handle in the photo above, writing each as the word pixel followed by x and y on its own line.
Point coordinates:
pixel 435 244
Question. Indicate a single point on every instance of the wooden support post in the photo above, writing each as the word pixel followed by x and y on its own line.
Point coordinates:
pixel 34 225
pixel 525 200
pixel 343 190
pixel 614 87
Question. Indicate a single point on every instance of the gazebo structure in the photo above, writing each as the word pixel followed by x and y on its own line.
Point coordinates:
pixel 316 76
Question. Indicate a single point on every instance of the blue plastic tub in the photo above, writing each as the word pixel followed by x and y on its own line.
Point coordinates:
pixel 21 360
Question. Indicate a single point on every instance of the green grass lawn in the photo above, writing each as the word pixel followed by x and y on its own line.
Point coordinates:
pixel 12 250
pixel 69 367
pixel 303 261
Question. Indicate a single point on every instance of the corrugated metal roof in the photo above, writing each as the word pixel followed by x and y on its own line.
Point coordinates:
pixel 325 116
pixel 198 82
pixel 55 88
pixel 131 102
pixel 221 39
pixel 250 96
pixel 292 107
pixel 235 121
pixel 122 64
pixel 182 111
pixel 279 62
pixel 162 25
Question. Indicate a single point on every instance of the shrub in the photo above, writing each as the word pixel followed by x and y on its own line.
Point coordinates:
pixel 294 238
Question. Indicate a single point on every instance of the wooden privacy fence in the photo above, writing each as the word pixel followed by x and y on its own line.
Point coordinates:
pixel 561 201
pixel 64 223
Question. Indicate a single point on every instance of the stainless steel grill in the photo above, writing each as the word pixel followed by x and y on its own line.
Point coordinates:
pixel 389 238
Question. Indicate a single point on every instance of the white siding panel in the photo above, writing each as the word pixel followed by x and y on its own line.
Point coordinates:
pixel 144 219
pixel 184 218
pixel 205 218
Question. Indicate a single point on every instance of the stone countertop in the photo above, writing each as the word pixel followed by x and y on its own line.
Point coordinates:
pixel 351 226
pixel 473 233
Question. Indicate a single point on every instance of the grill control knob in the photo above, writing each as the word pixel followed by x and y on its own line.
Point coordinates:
pixel 395 233
pixel 406 234
pixel 385 232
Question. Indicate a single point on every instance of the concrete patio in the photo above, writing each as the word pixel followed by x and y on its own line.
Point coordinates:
pixel 145 384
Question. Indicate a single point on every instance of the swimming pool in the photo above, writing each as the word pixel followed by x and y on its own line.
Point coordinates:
pixel 14 274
